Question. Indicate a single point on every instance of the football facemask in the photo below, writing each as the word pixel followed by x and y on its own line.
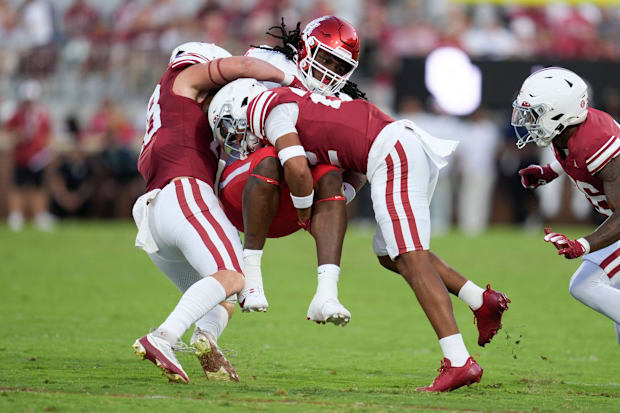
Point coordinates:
pixel 233 134
pixel 527 125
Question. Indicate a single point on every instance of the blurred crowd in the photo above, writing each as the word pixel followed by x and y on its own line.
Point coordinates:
pixel 75 76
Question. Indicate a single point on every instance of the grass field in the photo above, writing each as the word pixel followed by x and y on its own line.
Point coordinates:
pixel 73 302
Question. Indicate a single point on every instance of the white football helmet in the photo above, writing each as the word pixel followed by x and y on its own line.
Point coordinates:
pixel 228 118
pixel 549 100
pixel 196 52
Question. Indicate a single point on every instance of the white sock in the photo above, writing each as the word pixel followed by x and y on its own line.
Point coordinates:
pixel 214 322
pixel 201 297
pixel 472 295
pixel 328 275
pixel 252 268
pixel 15 220
pixel 454 349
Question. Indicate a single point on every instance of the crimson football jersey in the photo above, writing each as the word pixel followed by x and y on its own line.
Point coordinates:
pixel 595 142
pixel 332 131
pixel 178 136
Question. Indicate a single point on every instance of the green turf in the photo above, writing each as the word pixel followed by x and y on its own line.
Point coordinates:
pixel 73 302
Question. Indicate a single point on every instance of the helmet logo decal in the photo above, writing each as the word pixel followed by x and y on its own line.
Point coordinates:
pixel 583 103
pixel 314 24
pixel 526 104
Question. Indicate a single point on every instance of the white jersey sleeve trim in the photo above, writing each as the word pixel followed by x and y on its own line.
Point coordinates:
pixel 608 151
pixel 281 121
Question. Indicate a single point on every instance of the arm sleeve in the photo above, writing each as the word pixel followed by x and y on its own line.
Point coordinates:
pixel 281 121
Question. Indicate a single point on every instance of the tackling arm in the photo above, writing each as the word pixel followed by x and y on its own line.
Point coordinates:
pixel 609 231
pixel 203 77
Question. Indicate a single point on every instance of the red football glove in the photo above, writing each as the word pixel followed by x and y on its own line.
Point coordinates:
pixel 570 248
pixel 535 175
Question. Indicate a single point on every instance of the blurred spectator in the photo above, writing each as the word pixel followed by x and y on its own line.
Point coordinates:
pixel 520 204
pixel 109 122
pixel 120 184
pixel 35 37
pixel 445 127
pixel 30 129
pixel 80 19
pixel 488 37
pixel 476 156
pixel 72 178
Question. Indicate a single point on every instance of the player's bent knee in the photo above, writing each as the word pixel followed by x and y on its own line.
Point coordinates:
pixel 232 281
pixel 411 263
pixel 386 262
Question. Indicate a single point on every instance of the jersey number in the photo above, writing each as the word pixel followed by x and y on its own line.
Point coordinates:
pixel 596 198
pixel 153 117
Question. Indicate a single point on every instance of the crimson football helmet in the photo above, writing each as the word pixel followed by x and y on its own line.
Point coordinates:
pixel 336 37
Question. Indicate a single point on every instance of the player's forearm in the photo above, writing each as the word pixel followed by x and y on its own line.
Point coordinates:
pixel 298 176
pixel 250 67
pixel 606 234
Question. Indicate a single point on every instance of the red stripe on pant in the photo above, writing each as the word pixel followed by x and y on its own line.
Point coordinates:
pixel 216 225
pixel 198 226
pixel 404 196
pixel 608 261
pixel 389 202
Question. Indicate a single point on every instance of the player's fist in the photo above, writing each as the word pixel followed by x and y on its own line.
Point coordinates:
pixel 535 175
pixel 570 248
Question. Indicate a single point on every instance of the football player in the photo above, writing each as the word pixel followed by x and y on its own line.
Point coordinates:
pixel 253 192
pixel 181 225
pixel 552 110
pixel 401 162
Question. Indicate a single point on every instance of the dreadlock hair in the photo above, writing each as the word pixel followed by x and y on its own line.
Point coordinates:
pixel 351 89
pixel 291 40
pixel 291 43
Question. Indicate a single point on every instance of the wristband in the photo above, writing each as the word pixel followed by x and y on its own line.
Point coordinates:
pixel 349 191
pixel 291 152
pixel 301 202
pixel 288 79
pixel 585 244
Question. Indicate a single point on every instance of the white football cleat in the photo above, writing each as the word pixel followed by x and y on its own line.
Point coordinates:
pixel 160 353
pixel 328 310
pixel 211 358
pixel 252 298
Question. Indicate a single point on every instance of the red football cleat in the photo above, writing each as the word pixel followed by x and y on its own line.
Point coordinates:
pixel 451 378
pixel 488 318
